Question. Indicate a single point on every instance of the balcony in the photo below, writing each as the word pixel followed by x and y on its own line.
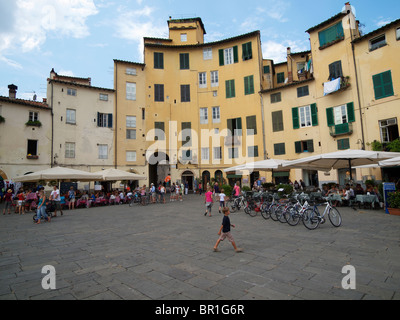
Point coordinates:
pixel 341 129
pixel 32 157
pixel 336 85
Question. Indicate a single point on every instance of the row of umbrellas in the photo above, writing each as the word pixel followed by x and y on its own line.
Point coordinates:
pixel 327 161
pixel 62 173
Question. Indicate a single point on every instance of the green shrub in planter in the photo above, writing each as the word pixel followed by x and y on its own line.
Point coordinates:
pixel 288 189
pixel 227 189
pixel 394 199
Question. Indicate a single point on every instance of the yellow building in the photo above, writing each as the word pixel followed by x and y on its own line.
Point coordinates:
pixel 201 104
pixel 333 104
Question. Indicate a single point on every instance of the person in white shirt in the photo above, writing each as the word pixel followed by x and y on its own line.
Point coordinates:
pixel 222 196
pixel 56 199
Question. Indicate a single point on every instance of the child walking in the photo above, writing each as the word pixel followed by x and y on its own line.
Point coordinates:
pixel 208 201
pixel 225 231
pixel 222 196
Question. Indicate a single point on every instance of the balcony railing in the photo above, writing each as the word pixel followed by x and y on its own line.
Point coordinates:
pixel 341 129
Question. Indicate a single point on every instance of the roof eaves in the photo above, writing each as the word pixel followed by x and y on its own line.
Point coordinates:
pixel 374 32
pixel 326 22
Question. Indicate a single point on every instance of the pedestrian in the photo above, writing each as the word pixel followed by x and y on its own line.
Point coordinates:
pixel 41 209
pixel 216 190
pixel 71 198
pixel 208 201
pixel 56 200
pixel 8 198
pixel 162 194
pixel 236 190
pixel 225 231
pixel 200 188
pixel 21 202
pixel 222 196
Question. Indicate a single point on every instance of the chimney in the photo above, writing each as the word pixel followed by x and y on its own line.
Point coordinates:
pixel 289 65
pixel 12 93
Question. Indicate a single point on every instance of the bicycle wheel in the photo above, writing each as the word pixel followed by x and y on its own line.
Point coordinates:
pixel 265 211
pixel 231 205
pixel 311 219
pixel 280 214
pixel 252 212
pixel 292 216
pixel 334 217
pixel 272 213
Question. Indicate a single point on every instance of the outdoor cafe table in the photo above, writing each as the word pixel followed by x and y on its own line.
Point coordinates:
pixel 367 199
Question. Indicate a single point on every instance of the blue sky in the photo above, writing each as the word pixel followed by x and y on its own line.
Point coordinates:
pixel 82 37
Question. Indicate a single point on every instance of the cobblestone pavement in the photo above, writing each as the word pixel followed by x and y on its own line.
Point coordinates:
pixel 165 252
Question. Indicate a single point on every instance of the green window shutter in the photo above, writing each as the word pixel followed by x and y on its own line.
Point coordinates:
pixel 330 117
pixel 295 117
pixel 280 77
pixel 314 114
pixel 158 60
pixel 235 54
pixel 248 85
pixel 251 123
pixel 110 120
pixel 297 147
pixel 230 88
pixel 387 83
pixel 350 112
pixel 221 57
pixel 184 61
pixel 277 121
pixel 239 126
pixel 378 89
pixel 266 69
pixel 343 144
pixel 247 53
pixel 310 145
pixel 230 126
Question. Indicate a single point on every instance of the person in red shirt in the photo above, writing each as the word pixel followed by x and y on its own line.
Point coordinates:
pixel 8 201
pixel 21 202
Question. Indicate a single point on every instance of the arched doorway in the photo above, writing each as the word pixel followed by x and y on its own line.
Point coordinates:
pixel 158 167
pixel 205 177
pixel 188 177
pixel 219 177
pixel 3 175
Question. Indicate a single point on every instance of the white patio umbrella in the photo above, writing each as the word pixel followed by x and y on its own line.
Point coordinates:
pixel 118 175
pixel 393 162
pixel 341 159
pixel 58 174
pixel 264 165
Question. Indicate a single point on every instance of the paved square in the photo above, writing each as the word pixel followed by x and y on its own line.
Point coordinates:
pixel 165 252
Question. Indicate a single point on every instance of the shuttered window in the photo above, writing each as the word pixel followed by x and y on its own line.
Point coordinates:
pixel 159 92
pixel 230 88
pixel 158 60
pixel 281 77
pixel 248 85
pixel 251 124
pixel 184 61
pixel 304 146
pixel 235 126
pixel 343 144
pixel 305 116
pixel 341 114
pixel 383 85
pixel 331 34
pixel 277 121
pixel 247 53
pixel 335 70
pixel 279 149
pixel 228 56
pixel 185 93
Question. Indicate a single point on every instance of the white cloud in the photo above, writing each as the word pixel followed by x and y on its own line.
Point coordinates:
pixel 277 11
pixel 383 21
pixel 135 24
pixel 277 51
pixel 37 19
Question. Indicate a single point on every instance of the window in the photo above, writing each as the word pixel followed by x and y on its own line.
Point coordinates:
pixel 203 115
pixel 130 71
pixel 32 147
pixel 233 153
pixel 185 93
pixel 276 97
pixel 71 92
pixel 159 131
pixel 389 130
pixel 186 155
pixel 207 53
pixel 248 85
pixel 71 116
pixel 205 154
pixel 343 144
pixel 300 66
pixel 251 124
pixel 305 116
pixel 383 86
pixel 235 126
pixel 247 53
pixel 331 34
pixel 214 79
pixel 302 92
pixel 131 156
pixel 130 91
pixel 186 133
pixel 279 149
pixel 340 115
pixel 158 60
pixel 277 121
pixel 131 127
pixel 230 88
pixel 280 77
pixel 217 153
pixel 228 56
pixel 304 146
pixel 159 92
pixel 103 151
pixel 184 61
pixel 267 69
pixel 104 120
pixel 70 150
pixel 33 116
pixel 183 37
pixel 252 152
pixel 103 97
pixel 377 42
pixel 202 79
pixel 216 116
pixel 335 70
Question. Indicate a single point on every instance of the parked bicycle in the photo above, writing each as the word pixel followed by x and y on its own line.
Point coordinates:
pixel 312 217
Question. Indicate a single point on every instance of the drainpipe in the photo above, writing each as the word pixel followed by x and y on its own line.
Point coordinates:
pixel 116 115
pixel 52 126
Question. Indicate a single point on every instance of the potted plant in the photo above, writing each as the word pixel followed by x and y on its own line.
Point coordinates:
pixel 394 203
